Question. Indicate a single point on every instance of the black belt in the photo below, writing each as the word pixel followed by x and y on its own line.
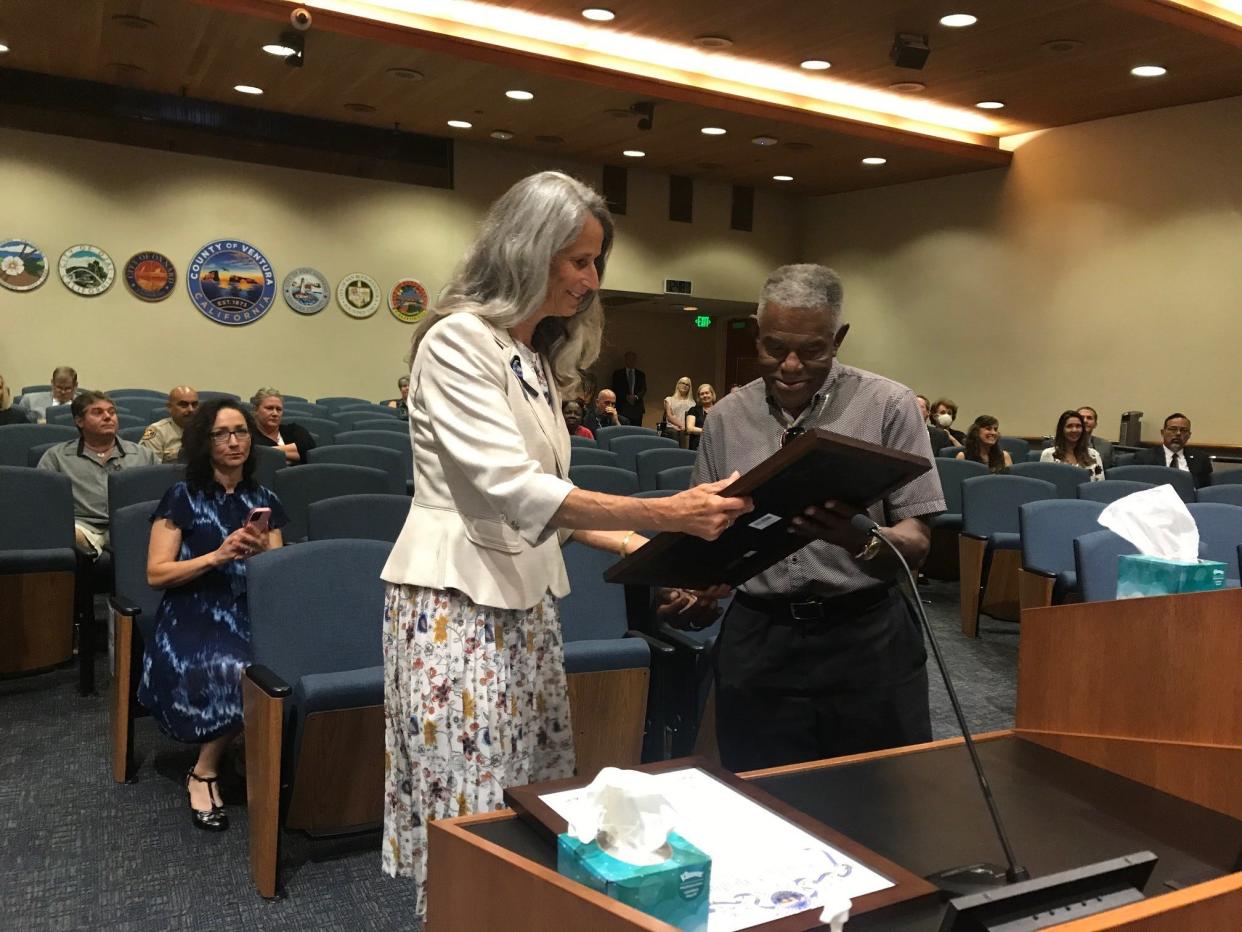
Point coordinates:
pixel 803 609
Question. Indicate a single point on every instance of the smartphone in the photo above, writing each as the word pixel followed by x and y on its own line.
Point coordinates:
pixel 258 519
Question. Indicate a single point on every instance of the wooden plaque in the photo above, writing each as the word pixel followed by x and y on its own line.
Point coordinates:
pixel 816 467
pixel 526 802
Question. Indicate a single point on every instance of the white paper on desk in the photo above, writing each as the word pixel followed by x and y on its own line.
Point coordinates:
pixel 763 866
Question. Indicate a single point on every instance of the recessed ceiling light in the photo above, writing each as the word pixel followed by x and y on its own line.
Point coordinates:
pixel 990 105
pixel 782 177
pixel 275 48
pixel 712 42
pixel 3 48
pixel 765 140
pixel 405 74
pixel 689 307
pixel 815 64
pixel 460 124
pixel 713 131
pixel 874 160
pixel 502 134
pixel 634 153
pixel 247 89
pixel 908 87
pixel 958 20
pixel 519 95
pixel 598 14
pixel 1148 71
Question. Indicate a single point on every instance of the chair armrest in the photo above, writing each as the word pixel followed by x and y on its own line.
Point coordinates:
pixel 658 647
pixel 1034 572
pixel 974 536
pixel 268 681
pixel 679 638
pixel 124 606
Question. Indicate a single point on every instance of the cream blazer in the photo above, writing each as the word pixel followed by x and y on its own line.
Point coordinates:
pixel 491 460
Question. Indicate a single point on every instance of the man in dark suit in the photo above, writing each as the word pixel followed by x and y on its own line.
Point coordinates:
pixel 1175 435
pixel 1102 447
pixel 630 385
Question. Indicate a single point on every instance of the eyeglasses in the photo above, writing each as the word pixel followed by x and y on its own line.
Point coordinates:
pixel 792 433
pixel 221 436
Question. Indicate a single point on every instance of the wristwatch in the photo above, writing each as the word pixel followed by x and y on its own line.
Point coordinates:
pixel 870 549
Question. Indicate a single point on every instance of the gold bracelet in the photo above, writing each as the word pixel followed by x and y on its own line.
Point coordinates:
pixel 624 542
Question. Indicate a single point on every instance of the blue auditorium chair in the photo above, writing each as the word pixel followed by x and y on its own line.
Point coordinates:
pixel 593 456
pixel 583 442
pixel 299 488
pixel 1016 447
pixel 1095 563
pixel 1229 494
pixel 1111 489
pixel 990 524
pixel 358 517
pixel 325 429
pixel 351 418
pixel 1220 533
pixel 650 463
pixel 339 402
pixel 678 478
pixel 141 484
pixel 134 604
pixel 609 479
pixel 394 424
pixel 1048 529
pixel 37 569
pixel 365 454
pixel 1065 477
pixel 267 462
pixel 388 439
pixel 1181 481
pixel 628 448
pixel 604 435
pixel 313 699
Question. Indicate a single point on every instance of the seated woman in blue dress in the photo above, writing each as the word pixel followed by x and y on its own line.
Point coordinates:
pixel 201 537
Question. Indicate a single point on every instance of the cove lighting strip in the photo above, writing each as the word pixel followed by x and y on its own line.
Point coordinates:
pixel 609 48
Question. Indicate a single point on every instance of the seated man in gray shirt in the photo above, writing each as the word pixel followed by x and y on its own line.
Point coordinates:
pixel 64 388
pixel 820 655
pixel 88 461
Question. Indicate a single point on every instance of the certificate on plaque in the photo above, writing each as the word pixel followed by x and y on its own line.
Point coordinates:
pixel 816 467
pixel 770 862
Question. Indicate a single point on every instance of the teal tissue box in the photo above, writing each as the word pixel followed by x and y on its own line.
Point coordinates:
pixel 1139 576
pixel 675 890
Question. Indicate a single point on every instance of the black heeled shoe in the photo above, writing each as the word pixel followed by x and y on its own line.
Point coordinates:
pixel 214 819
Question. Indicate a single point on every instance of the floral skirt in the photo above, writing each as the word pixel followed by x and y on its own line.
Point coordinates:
pixel 475 701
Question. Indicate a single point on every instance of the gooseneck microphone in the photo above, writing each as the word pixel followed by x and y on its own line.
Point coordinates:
pixel 1014 871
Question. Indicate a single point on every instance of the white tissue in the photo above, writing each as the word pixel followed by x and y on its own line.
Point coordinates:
pixel 836 909
pixel 1157 522
pixel 623 812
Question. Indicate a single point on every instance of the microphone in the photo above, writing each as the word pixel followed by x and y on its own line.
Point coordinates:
pixel 974 873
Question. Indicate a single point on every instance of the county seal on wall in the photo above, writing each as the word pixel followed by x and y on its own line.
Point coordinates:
pixel 306 290
pixel 150 276
pixel 86 270
pixel 231 282
pixel 23 267
pixel 408 300
pixel 358 295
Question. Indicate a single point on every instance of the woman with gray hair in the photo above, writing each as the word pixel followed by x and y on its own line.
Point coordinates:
pixel 475 690
pixel 291 439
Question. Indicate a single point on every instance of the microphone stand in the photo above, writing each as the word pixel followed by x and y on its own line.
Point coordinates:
pixel 955 879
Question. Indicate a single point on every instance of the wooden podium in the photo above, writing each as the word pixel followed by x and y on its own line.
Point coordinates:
pixel 1119 704
pixel 1147 688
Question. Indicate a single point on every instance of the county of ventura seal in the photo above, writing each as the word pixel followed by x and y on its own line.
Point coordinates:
pixel 150 276
pixel 231 282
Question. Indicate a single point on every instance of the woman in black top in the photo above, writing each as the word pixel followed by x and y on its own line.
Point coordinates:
pixel 269 411
pixel 698 414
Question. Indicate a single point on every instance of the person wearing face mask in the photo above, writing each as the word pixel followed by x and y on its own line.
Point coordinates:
pixel 944 413
pixel 64 390
pixel 291 439
pixel 1069 445
pixel 819 655
pixel 938 436
pixel 983 446
pixel 1172 452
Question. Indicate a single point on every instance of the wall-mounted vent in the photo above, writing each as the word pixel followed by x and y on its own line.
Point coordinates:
pixel 678 286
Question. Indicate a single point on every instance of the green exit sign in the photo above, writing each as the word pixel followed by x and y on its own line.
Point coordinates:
pixel 702 321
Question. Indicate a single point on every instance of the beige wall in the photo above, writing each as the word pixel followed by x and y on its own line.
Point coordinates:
pixel 1104 267
pixel 59 191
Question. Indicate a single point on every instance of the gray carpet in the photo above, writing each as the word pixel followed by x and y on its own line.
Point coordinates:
pixel 81 852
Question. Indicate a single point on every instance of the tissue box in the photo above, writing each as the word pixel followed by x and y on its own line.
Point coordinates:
pixel 1139 576
pixel 675 890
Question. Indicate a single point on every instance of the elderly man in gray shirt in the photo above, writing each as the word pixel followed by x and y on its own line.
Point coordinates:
pixel 88 461
pixel 820 655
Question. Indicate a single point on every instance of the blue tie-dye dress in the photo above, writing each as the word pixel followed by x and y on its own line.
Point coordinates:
pixel 191 675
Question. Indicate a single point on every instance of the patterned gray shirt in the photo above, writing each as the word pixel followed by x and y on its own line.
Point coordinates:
pixel 745 427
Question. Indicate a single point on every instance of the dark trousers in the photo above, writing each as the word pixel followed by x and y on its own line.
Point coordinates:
pixel 789 691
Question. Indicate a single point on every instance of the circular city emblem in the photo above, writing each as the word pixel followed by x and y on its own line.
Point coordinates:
pixel 306 290
pixel 358 295
pixel 231 282
pixel 23 267
pixel 150 276
pixel 408 300
pixel 86 270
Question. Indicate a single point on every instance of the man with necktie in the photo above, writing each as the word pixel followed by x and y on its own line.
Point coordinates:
pixel 630 385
